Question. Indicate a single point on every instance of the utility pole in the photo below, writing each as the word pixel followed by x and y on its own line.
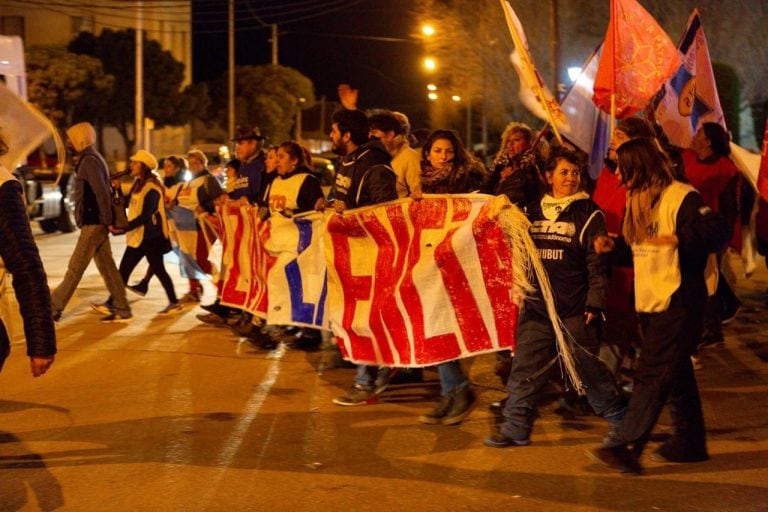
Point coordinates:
pixel 139 99
pixel 231 71
pixel 554 48
pixel 274 44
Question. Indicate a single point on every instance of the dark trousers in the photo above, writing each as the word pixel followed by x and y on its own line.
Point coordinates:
pixel 154 254
pixel 665 374
pixel 534 351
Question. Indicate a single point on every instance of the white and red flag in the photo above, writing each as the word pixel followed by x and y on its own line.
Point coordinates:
pixel 638 57
pixel 534 93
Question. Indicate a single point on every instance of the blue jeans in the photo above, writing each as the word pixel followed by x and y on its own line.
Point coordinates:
pixel 93 244
pixel 451 377
pixel 371 377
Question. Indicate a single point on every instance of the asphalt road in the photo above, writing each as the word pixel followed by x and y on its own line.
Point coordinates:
pixel 167 414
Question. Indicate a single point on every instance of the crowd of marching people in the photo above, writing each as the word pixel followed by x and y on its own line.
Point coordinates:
pixel 626 255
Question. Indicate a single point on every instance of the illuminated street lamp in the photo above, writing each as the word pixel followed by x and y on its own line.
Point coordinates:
pixel 430 64
pixel 456 97
pixel 428 30
pixel 431 87
pixel 432 96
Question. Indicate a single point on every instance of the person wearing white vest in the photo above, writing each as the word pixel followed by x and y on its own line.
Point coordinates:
pixel 670 232
pixel 147 230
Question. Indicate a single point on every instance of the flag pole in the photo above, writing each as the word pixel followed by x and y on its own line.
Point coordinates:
pixel 523 51
pixel 613 66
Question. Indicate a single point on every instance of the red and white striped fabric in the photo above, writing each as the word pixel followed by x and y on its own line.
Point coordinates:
pixel 416 283
pixel 245 261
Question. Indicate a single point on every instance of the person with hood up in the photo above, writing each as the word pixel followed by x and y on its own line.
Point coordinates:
pixel 93 214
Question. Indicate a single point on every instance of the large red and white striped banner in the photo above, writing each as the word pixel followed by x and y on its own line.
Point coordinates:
pixel 416 283
pixel 245 262
pixel 274 269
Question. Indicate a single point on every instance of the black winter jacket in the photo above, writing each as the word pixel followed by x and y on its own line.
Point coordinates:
pixel 578 275
pixel 365 177
pixel 22 260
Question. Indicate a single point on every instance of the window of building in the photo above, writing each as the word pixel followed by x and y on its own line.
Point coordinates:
pixel 12 26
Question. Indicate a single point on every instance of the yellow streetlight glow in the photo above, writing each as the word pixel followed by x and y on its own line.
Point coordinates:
pixel 432 96
pixel 430 64
pixel 428 30
pixel 431 87
pixel 456 97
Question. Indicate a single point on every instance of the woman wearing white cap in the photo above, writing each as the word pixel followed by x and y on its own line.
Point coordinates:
pixel 147 230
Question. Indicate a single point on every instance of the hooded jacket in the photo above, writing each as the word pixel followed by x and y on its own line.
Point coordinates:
pixel 365 177
pixel 92 191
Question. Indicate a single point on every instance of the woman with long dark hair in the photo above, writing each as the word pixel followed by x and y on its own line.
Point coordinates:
pixel 670 231
pixel 447 168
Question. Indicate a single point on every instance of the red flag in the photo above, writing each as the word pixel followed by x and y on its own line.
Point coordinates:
pixel 638 57
pixel 762 175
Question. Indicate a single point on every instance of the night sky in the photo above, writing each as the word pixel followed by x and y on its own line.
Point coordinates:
pixel 329 48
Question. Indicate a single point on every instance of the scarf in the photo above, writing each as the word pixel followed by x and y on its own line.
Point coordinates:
pixel 431 176
pixel 552 207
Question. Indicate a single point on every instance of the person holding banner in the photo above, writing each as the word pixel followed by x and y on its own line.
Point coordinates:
pixel 392 132
pixel 564 224
pixel 516 172
pixel 193 197
pixel 447 168
pixel 296 189
pixel 364 177
pixel 667 234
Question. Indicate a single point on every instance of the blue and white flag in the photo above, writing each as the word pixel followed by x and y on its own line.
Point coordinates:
pixel 297 279
pixel 588 126
pixel 690 97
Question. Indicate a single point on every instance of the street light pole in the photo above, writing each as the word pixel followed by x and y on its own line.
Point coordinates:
pixel 274 43
pixel 139 98
pixel 231 71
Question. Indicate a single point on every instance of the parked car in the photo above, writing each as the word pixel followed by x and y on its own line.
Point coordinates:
pixel 48 202
pixel 324 167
